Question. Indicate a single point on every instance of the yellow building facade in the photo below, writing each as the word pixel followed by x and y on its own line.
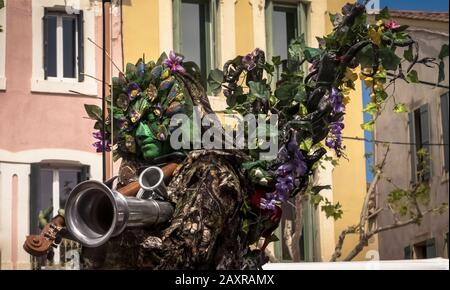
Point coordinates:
pixel 228 28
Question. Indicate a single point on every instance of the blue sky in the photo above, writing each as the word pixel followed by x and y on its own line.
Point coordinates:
pixel 423 5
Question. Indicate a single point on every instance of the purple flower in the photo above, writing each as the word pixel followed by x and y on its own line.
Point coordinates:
pixel 293 166
pixel 334 139
pixel 133 90
pixel 99 144
pixel 337 100
pixel 249 61
pixel 173 62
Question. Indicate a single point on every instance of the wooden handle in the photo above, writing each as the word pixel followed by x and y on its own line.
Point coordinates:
pixel 132 188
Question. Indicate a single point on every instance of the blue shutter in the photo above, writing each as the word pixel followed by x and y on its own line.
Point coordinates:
pixel 80 27
pixel 412 149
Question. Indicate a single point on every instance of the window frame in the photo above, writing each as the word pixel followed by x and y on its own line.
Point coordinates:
pixel 66 86
pixel 211 27
pixel 60 46
pixel 301 8
pixel 413 140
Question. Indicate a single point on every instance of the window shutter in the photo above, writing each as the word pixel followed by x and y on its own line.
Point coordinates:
pixel 412 140
pixel 408 253
pixel 80 24
pixel 426 134
pixel 431 248
pixel 85 173
pixel 35 174
pixel 45 23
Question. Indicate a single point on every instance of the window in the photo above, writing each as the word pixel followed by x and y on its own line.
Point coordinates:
pixel 63 45
pixel 420 137
pixel 194 27
pixel 50 188
pixel 61 53
pixel 444 119
pixel 284 22
pixel 425 249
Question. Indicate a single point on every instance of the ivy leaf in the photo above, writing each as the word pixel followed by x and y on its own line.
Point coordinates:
pixel 306 144
pixel 215 80
pixel 368 126
pixel 371 108
pixel 408 54
pixel 444 51
pixel 311 53
pixel 400 108
pixel 276 60
pixel 285 91
pixel 259 90
pixel 94 112
pixel 412 76
pixel 366 57
pixel 384 14
pixel 389 59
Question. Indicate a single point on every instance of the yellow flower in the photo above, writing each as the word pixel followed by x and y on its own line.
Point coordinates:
pixel 380 22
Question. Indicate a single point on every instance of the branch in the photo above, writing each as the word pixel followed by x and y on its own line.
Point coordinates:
pixel 338 249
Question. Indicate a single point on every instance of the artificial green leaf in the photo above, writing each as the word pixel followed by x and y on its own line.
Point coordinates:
pixel 215 80
pixel 400 108
pixel 276 60
pixel 389 59
pixel 285 91
pixel 311 53
pixel 306 144
pixel 94 112
pixel 161 58
pixel 365 57
pixel 412 76
pixel 259 90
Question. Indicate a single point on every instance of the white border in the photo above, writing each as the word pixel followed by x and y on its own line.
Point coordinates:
pixel 38 83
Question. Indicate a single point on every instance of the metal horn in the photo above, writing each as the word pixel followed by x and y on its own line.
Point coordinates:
pixel 95 213
pixel 151 181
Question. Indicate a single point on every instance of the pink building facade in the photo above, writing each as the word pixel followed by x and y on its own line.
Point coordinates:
pixel 45 139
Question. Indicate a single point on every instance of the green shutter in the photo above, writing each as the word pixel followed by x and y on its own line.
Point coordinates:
pixel 412 148
pixel 408 253
pixel 80 27
pixel 431 248
pixel 425 135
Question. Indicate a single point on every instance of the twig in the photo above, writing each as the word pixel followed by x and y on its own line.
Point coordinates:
pixel 107 54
